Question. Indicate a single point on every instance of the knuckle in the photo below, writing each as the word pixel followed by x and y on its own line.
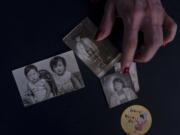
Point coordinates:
pixel 132 22
pixel 155 11
pixel 158 10
pixel 134 18
pixel 138 13
pixel 156 43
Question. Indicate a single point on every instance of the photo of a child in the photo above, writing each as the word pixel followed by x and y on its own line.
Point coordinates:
pixel 132 72
pixel 121 94
pixel 65 80
pixel 37 88
pixel 48 78
pixel 118 89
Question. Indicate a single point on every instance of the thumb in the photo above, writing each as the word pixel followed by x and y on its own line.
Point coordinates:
pixel 107 22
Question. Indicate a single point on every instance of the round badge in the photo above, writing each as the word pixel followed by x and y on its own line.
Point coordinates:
pixel 136 120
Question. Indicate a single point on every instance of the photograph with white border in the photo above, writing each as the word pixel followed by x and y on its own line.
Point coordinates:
pixel 118 89
pixel 132 72
pixel 48 78
pixel 99 56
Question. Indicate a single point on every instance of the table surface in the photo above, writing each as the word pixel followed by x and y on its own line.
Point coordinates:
pixel 35 32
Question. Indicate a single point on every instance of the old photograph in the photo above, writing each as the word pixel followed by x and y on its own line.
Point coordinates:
pixel 48 78
pixel 118 89
pixel 98 56
pixel 132 72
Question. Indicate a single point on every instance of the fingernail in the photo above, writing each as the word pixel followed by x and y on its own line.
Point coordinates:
pixel 126 70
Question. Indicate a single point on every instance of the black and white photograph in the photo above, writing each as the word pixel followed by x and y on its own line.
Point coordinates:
pixel 132 72
pixel 98 56
pixel 48 78
pixel 118 89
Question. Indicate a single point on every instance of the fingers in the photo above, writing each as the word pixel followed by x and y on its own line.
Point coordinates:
pixel 171 29
pixel 131 28
pixel 107 22
pixel 129 47
pixel 153 38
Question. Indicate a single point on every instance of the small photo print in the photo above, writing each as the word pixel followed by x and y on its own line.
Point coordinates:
pixel 48 78
pixel 99 56
pixel 118 89
pixel 132 72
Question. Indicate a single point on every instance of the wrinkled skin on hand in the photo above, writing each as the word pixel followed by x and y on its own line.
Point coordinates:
pixel 147 16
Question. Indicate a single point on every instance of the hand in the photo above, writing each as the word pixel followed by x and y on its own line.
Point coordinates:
pixel 147 16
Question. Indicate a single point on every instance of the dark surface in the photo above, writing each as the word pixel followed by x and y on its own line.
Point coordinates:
pixel 35 31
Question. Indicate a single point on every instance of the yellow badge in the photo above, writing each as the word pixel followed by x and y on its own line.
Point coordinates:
pixel 136 120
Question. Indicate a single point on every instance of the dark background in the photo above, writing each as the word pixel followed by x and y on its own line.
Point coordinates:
pixel 35 32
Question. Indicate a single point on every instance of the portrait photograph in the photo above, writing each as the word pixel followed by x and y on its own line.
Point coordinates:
pixel 48 78
pixel 98 56
pixel 118 89
pixel 132 73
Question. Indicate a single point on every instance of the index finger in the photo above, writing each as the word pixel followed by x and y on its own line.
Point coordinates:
pixel 129 46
